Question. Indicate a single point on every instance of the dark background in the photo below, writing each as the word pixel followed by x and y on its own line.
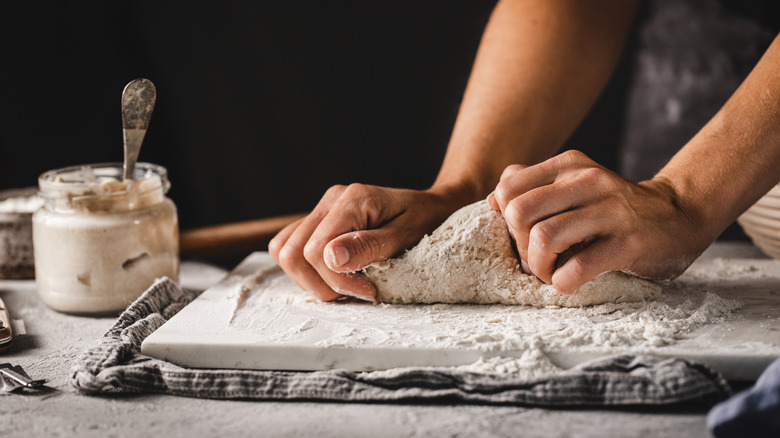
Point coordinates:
pixel 263 105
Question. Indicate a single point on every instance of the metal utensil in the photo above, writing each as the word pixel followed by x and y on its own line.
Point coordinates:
pixel 138 100
pixel 17 374
pixel 13 378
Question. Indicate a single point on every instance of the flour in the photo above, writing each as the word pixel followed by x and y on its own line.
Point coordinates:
pixel 244 287
pixel 271 308
pixel 470 259
pixel 532 364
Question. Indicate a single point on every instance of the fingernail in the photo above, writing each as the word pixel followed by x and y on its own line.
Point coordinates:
pixel 524 266
pixel 339 256
pixel 491 199
pixel 364 298
pixel 349 293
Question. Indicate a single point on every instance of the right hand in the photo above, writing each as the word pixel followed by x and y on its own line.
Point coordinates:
pixel 351 227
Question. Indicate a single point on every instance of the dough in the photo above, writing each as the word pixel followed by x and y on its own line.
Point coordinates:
pixel 470 259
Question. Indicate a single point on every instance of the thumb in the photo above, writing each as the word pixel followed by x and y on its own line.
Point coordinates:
pixel 352 251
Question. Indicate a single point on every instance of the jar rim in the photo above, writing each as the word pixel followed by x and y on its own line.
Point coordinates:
pixel 83 177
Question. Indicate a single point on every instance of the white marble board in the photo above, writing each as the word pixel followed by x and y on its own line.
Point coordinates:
pixel 231 325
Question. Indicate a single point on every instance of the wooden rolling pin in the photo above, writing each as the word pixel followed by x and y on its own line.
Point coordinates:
pixel 233 238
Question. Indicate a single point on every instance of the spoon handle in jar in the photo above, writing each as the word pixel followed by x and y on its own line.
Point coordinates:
pixel 138 99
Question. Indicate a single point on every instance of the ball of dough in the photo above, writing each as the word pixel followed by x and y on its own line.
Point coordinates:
pixel 470 259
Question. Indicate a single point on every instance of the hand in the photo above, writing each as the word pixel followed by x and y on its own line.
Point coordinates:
pixel 351 227
pixel 569 204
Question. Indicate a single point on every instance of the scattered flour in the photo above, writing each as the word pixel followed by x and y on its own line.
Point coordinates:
pixel 531 364
pixel 245 285
pixel 470 259
pixel 271 308
pixel 527 341
pixel 724 270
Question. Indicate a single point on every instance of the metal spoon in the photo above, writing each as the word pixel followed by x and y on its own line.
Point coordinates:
pixel 137 105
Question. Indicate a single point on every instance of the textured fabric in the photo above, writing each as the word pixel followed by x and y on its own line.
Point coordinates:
pixel 754 412
pixel 116 365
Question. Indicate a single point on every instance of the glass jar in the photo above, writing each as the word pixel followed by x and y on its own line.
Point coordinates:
pixel 100 242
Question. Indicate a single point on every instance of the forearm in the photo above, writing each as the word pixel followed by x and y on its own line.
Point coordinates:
pixel 735 158
pixel 540 67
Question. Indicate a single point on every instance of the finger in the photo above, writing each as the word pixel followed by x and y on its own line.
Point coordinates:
pixel 525 268
pixel 276 244
pixel 355 246
pixel 587 264
pixel 291 242
pixel 517 180
pixel 525 211
pixel 553 236
pixel 511 170
pixel 353 251
pixel 308 279
pixel 491 199
pixel 343 242
pixel 291 260
pixel 346 282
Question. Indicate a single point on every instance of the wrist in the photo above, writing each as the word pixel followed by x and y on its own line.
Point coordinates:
pixel 688 207
pixel 458 193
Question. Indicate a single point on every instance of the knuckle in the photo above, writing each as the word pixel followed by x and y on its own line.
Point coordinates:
pixel 333 192
pixel 274 247
pixel 591 175
pixel 365 200
pixel 630 243
pixel 623 213
pixel 543 234
pixel 511 169
pixel 513 213
pixel 312 252
pixel 288 257
pixel 502 194
pixel 372 208
pixel 579 266
pixel 516 213
pixel 597 177
pixel 357 190
pixel 572 156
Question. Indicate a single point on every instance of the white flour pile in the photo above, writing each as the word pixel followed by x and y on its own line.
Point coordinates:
pixel 470 259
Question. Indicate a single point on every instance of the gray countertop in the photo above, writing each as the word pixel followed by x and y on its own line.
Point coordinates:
pixel 54 340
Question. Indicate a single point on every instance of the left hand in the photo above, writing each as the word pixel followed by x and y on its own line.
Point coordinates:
pixel 615 224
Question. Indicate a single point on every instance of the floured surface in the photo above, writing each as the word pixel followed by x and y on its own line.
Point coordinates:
pixel 470 259
pixel 723 312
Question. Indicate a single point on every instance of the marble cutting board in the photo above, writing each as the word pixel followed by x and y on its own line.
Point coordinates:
pixel 247 321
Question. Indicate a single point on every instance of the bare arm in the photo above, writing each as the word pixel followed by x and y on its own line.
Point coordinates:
pixel 735 158
pixel 540 67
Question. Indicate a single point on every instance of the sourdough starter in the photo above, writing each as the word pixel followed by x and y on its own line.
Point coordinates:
pixel 99 241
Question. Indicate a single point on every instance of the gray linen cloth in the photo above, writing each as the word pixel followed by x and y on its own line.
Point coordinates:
pixel 116 365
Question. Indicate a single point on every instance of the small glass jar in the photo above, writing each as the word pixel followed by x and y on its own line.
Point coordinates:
pixel 100 242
